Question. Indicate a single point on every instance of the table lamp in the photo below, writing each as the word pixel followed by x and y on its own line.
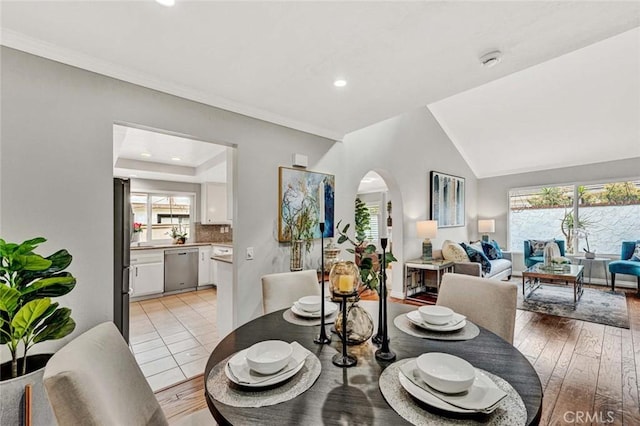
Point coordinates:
pixel 485 227
pixel 427 229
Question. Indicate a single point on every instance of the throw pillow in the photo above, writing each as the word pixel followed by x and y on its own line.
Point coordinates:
pixel 490 251
pixel 454 252
pixel 537 247
pixel 495 244
pixel 478 257
pixel 636 253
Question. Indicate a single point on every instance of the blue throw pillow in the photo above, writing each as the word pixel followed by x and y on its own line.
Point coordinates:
pixel 636 253
pixel 478 257
pixel 491 251
pixel 498 249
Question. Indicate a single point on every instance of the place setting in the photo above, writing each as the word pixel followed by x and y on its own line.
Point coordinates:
pixel 439 389
pixel 306 311
pixel 267 373
pixel 436 322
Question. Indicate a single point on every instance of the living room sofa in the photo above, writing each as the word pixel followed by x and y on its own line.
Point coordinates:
pixel 500 268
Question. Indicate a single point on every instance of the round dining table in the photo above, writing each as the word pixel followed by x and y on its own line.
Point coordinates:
pixel 351 395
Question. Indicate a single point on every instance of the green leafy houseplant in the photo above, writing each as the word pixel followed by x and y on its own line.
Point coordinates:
pixel 364 256
pixel 28 281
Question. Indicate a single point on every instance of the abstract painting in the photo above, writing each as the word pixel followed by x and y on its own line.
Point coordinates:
pixel 299 204
pixel 447 200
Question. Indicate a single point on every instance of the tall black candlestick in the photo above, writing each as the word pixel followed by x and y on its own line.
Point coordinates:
pixel 322 338
pixel 377 339
pixel 384 353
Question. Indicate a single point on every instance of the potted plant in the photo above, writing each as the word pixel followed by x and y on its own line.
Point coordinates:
pixel 137 230
pixel 28 281
pixel 178 234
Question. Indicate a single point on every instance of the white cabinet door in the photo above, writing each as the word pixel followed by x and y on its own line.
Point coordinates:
pixel 213 203
pixel 148 278
pixel 204 265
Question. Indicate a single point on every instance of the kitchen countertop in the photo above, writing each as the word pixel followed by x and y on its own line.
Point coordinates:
pixel 177 246
pixel 228 258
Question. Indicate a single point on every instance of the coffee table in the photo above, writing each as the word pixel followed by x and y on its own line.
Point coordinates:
pixel 573 274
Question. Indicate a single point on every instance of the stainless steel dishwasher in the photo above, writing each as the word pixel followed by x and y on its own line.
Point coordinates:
pixel 180 269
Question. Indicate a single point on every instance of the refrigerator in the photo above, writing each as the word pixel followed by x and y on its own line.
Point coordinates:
pixel 122 223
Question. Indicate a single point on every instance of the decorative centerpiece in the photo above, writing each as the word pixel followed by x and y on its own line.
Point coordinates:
pixel 179 236
pixel 331 252
pixel 344 280
pixel 136 230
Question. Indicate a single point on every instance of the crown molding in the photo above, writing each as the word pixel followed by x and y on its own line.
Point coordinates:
pixel 19 41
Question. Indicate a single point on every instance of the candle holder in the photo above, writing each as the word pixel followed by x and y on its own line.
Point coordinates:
pixel 322 338
pixel 344 359
pixel 384 353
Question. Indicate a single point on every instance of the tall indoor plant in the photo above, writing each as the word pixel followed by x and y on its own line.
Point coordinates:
pixel 28 281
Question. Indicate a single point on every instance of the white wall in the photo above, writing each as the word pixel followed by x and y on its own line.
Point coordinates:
pixel 403 150
pixel 56 172
pixel 493 192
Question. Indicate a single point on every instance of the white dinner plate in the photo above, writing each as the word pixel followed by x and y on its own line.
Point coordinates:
pixel 240 361
pixel 483 396
pixel 329 308
pixel 457 323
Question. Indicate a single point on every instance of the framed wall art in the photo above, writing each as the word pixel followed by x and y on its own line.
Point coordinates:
pixel 447 200
pixel 299 205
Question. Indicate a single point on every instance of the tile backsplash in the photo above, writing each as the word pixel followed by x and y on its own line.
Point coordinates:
pixel 213 233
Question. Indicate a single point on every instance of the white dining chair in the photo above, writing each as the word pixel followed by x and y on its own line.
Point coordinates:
pixel 488 303
pixel 95 380
pixel 280 290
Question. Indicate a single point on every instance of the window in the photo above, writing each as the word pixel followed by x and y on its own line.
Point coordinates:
pixel 160 213
pixel 603 215
pixel 374 220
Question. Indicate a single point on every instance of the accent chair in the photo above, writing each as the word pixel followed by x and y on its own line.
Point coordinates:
pixel 625 265
pixel 530 259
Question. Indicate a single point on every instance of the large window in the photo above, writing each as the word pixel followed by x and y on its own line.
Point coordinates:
pixel 160 213
pixel 597 217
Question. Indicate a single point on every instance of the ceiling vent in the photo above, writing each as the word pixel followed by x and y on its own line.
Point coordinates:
pixel 491 59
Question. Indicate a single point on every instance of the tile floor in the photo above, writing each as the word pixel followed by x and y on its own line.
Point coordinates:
pixel 172 336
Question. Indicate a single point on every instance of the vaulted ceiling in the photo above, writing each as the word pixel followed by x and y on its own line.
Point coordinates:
pixel 568 77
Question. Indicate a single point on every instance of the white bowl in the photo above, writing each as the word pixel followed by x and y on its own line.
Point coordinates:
pixel 446 373
pixel 434 314
pixel 310 303
pixel 269 356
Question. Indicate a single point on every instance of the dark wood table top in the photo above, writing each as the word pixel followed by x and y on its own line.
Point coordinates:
pixel 351 395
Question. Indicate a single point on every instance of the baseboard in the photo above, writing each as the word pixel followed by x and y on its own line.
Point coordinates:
pixel 397 294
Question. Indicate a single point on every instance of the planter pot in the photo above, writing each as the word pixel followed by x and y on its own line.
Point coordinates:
pixel 295 263
pixel 590 255
pixel 13 400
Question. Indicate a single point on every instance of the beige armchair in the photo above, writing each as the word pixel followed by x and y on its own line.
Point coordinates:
pixel 488 303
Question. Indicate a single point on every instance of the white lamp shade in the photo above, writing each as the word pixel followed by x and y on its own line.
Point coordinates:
pixel 486 226
pixel 427 228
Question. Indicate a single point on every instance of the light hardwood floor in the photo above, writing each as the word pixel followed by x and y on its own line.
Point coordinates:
pixel 589 372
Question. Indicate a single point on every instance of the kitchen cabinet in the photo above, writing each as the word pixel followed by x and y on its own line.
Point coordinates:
pixel 204 265
pixel 146 273
pixel 213 203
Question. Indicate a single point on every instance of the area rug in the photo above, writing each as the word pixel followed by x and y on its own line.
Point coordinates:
pixel 599 306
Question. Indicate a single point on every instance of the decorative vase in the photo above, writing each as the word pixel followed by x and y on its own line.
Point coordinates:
pixel 13 393
pixel 550 251
pixel 179 240
pixel 589 254
pixel 135 237
pixel 331 253
pixel 359 324
pixel 295 263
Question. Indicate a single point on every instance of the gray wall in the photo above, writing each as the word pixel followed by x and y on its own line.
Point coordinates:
pixel 493 192
pixel 403 150
pixel 56 172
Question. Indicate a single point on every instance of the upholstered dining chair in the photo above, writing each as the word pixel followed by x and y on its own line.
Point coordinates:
pixel 280 290
pixel 488 303
pixel 95 380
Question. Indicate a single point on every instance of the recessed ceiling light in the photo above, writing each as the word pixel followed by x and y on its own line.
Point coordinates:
pixel 175 158
pixel 145 154
pixel 167 3
pixel 491 59
pixel 340 83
